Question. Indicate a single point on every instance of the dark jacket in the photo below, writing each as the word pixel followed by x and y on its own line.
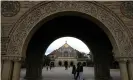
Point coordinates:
pixel 81 69
pixel 73 70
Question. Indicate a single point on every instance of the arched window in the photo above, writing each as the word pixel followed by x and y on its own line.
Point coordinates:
pixel 66 63
pixel 71 63
pixel 65 53
pixel 60 63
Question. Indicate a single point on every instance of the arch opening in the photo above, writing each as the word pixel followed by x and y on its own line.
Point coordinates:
pixel 85 17
pixel 76 26
pixel 65 63
pixel 60 63
pixel 71 63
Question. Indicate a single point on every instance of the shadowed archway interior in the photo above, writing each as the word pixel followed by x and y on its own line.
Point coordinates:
pixel 69 25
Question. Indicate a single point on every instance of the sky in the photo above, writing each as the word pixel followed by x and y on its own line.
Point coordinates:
pixel 73 42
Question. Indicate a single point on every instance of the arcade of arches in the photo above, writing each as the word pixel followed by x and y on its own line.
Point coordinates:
pixel 29 27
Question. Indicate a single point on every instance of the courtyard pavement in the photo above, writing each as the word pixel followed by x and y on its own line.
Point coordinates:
pixel 59 73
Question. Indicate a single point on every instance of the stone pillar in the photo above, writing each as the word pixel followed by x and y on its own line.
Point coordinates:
pixel 34 62
pixel 16 70
pixel 101 66
pixel 2 62
pixel 7 70
pixel 102 72
pixel 130 69
pixel 123 69
pixel 33 72
pixel 33 68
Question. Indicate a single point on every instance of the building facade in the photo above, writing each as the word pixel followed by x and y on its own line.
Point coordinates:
pixel 67 55
pixel 20 20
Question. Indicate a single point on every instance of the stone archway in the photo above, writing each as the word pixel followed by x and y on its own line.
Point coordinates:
pixel 26 27
pixel 60 63
pixel 66 63
pixel 71 63
pixel 117 32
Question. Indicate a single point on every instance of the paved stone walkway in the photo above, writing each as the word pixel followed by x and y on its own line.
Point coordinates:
pixel 59 73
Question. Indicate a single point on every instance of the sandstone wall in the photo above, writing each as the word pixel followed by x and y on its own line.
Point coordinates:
pixel 8 19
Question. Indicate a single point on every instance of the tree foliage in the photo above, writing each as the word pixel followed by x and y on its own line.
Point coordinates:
pixel 46 60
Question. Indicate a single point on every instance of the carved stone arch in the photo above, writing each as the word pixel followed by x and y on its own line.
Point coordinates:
pixel 113 26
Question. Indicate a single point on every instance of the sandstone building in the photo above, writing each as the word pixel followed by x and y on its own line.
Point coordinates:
pixel 28 27
pixel 67 55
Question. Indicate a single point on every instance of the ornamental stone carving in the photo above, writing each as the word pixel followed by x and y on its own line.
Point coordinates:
pixel 10 8
pixel 41 11
pixel 5 30
pixel 122 59
pixel 13 58
pixel 130 59
pixel 4 42
pixel 127 9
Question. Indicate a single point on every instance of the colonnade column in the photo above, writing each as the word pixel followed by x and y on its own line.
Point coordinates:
pixel 123 68
pixel 101 64
pixel 7 70
pixel 130 68
pixel 33 71
pixel 16 70
pixel 2 62
pixel 34 67
pixel 102 72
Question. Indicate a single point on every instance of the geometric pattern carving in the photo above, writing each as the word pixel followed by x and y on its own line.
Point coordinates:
pixel 115 26
pixel 10 8
pixel 6 28
pixel 14 58
pixel 122 60
pixel 131 30
pixel 127 9
pixel 4 41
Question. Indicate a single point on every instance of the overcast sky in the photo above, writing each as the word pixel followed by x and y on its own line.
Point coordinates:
pixel 73 42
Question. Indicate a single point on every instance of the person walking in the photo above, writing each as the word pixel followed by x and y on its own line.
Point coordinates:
pixel 47 67
pixel 74 71
pixel 66 66
pixel 79 72
pixel 50 66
